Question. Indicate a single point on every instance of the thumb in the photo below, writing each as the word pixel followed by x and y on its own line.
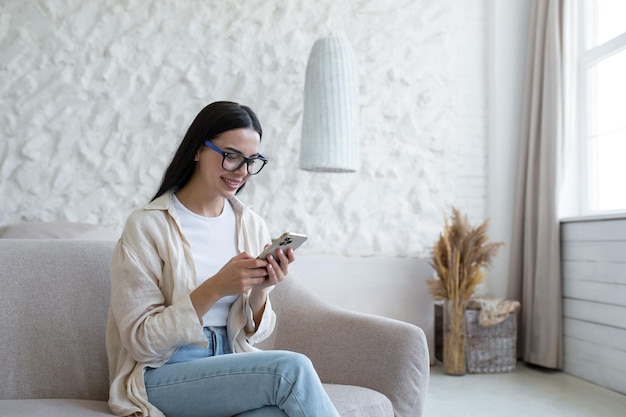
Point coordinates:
pixel 243 256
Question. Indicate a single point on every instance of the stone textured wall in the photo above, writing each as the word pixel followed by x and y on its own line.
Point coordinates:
pixel 96 95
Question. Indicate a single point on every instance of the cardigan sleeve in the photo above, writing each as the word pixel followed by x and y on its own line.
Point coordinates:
pixel 241 325
pixel 267 324
pixel 149 329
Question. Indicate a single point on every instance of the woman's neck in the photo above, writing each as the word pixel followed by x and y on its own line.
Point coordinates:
pixel 199 203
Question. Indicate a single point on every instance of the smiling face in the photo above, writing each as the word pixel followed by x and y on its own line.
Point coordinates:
pixel 209 174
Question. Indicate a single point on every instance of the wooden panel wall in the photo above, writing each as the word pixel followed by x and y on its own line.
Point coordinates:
pixel 594 300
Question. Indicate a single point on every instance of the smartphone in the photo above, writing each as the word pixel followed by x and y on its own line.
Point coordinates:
pixel 285 241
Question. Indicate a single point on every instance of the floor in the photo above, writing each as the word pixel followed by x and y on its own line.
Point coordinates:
pixel 526 392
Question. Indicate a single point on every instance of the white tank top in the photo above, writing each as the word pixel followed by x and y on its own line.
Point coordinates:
pixel 213 243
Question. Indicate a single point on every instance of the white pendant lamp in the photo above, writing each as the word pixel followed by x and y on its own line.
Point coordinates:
pixel 331 108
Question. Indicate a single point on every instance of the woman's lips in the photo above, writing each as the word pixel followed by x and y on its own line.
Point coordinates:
pixel 232 184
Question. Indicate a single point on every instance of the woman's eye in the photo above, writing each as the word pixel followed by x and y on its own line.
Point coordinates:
pixel 232 157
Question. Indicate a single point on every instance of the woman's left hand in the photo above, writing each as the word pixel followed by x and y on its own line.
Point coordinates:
pixel 277 270
pixel 278 267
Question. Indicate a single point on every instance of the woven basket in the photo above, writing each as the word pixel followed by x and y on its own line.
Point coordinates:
pixel 491 349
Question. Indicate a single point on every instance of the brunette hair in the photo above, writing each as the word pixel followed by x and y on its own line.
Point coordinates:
pixel 212 121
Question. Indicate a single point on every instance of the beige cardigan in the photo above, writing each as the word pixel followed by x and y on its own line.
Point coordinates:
pixel 151 314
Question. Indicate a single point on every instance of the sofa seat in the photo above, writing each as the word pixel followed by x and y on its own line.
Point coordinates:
pixel 54 408
pixel 351 401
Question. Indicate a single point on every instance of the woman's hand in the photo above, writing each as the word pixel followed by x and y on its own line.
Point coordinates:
pixel 240 274
pixel 277 270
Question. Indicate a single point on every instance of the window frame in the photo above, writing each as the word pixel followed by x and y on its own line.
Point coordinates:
pixel 588 57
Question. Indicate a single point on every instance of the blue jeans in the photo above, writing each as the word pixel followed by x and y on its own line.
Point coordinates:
pixel 201 382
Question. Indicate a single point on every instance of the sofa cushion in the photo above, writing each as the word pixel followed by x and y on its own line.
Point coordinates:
pixel 352 401
pixel 54 408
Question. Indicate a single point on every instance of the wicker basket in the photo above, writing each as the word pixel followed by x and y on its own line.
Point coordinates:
pixel 490 349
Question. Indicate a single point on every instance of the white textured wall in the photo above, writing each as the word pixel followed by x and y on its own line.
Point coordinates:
pixel 96 95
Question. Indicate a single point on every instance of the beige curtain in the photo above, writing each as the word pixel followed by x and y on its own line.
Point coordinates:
pixel 535 275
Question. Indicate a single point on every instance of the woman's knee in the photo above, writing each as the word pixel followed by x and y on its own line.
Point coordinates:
pixel 295 366
pixel 296 360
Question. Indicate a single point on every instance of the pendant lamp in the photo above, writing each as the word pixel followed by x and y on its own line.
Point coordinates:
pixel 330 122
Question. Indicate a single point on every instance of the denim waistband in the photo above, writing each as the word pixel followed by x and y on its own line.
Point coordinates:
pixel 217 339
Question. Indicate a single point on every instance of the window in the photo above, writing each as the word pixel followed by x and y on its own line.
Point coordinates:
pixel 602 105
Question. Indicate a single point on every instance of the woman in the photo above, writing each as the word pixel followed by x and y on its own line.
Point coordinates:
pixel 187 290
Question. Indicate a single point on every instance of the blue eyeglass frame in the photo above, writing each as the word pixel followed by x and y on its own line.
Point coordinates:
pixel 246 160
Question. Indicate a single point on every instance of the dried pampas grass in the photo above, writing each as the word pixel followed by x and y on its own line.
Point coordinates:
pixel 460 257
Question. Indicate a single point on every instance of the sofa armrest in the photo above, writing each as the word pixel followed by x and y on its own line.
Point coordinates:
pixel 350 348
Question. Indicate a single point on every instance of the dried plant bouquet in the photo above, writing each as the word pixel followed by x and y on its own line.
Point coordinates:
pixel 460 258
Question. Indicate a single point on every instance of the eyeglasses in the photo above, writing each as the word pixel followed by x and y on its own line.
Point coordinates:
pixel 233 161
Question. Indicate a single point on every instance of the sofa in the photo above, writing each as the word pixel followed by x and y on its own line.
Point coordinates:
pixel 54 297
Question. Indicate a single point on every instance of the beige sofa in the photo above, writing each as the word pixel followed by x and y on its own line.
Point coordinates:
pixel 54 296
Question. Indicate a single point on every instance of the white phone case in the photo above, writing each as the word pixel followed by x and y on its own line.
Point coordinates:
pixel 285 241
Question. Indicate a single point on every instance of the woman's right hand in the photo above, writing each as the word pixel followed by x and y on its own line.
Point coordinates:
pixel 239 275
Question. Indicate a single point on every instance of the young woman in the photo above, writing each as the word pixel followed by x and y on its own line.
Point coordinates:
pixel 187 290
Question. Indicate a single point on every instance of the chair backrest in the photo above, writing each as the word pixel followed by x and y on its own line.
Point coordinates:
pixel 54 300
pixel 289 290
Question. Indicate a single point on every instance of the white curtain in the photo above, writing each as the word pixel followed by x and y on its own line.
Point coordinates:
pixel 535 275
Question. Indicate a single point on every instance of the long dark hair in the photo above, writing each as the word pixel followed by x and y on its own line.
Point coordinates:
pixel 212 121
